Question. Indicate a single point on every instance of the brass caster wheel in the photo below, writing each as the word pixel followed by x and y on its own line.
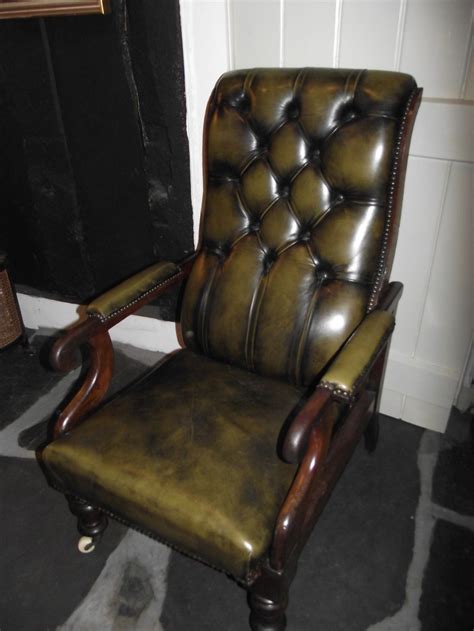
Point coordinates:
pixel 86 545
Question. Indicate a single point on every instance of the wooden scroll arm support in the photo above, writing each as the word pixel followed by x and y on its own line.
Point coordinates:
pixel 308 440
pixel 93 335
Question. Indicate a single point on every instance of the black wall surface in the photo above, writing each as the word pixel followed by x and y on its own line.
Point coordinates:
pixel 94 165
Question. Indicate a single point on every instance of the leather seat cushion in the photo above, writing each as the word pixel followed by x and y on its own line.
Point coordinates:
pixel 188 454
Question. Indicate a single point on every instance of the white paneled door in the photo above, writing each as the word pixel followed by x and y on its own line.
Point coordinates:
pixel 431 39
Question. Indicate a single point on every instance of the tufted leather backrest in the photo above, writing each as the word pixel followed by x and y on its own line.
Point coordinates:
pixel 299 214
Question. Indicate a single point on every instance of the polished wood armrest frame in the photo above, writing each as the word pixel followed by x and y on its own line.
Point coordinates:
pixel 92 334
pixel 321 455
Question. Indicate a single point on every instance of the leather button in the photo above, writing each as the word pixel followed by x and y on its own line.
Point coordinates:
pixel 284 190
pixel 292 110
pixel 305 234
pixel 241 102
pixel 262 144
pixel 340 198
pixel 255 225
pixel 270 258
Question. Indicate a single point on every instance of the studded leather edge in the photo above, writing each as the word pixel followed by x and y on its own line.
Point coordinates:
pixel 152 535
pixel 388 224
pixel 116 312
pixel 349 396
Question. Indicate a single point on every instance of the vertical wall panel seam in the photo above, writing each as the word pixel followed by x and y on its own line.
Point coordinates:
pixel 337 33
pixel 441 211
pixel 282 34
pixel 402 406
pixel 467 60
pixel 402 16
pixel 230 39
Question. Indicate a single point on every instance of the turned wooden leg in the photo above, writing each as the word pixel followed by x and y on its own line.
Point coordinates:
pixel 371 434
pixel 268 599
pixel 91 522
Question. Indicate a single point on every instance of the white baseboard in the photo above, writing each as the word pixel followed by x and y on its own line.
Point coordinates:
pixel 418 392
pixel 414 391
pixel 147 333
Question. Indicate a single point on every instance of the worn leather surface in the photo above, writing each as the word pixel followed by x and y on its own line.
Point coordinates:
pixel 299 217
pixel 190 454
pixel 131 289
pixel 357 356
pixel 301 166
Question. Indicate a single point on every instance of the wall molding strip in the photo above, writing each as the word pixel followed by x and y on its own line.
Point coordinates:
pixel 337 33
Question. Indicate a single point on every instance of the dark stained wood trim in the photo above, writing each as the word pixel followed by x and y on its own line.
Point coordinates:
pixel 94 387
pixel 296 439
pixel 344 443
pixel 390 297
pixel 291 515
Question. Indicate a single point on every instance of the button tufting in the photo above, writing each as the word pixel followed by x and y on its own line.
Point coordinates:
pixel 240 102
pixel 293 110
pixel 284 190
pixel 314 154
pixel 255 225
pixel 262 143
pixel 270 258
pixel 305 234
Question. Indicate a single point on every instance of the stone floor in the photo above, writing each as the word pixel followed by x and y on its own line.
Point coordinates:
pixel 393 551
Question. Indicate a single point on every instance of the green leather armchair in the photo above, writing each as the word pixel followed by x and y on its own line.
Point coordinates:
pixel 229 449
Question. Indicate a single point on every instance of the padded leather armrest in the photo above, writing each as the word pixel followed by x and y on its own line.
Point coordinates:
pixel 358 355
pixel 133 289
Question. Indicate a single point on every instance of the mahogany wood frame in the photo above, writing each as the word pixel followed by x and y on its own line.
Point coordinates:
pixel 320 452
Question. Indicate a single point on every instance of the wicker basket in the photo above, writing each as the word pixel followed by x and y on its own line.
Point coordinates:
pixel 11 324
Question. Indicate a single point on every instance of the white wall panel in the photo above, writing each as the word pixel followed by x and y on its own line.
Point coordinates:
pixel 435 44
pixel 308 32
pixel 255 32
pixel 446 327
pixel 369 34
pixel 207 54
pixel 426 414
pixel 422 205
pixel 445 130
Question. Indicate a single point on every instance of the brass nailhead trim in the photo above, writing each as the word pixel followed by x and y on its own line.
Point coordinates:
pixel 150 534
pixel 111 315
pixel 388 224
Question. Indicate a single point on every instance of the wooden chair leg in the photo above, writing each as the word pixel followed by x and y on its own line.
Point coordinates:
pixel 91 522
pixel 268 600
pixel 371 433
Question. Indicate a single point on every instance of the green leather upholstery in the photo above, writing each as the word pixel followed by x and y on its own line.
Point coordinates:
pixel 355 359
pixel 132 289
pixel 190 455
pixel 297 215
pixel 298 233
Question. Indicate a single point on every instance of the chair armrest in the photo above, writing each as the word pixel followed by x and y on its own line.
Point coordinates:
pixel 353 363
pixel 115 305
pixel 127 293
pixel 343 378
pixel 104 313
